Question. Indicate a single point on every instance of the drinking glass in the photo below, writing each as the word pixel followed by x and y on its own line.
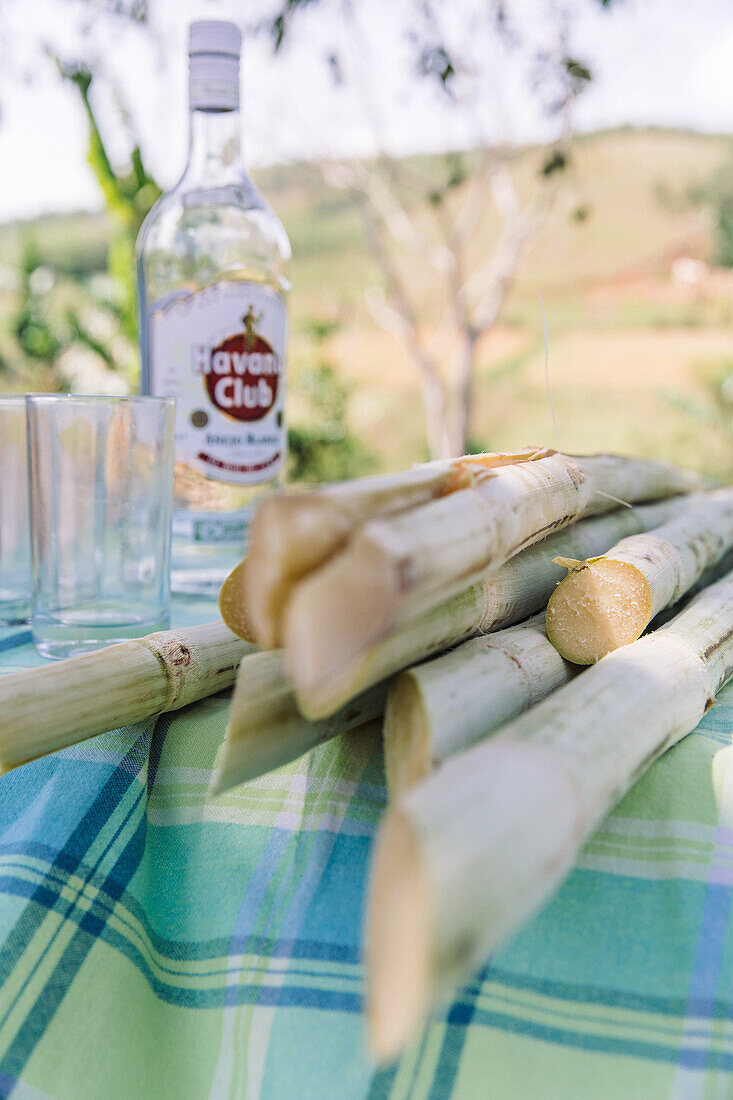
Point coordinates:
pixel 15 570
pixel 101 483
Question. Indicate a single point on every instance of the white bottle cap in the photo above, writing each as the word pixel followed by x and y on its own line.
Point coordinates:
pixel 213 49
pixel 214 36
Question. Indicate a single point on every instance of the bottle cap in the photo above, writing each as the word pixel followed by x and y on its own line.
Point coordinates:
pixel 213 48
pixel 214 36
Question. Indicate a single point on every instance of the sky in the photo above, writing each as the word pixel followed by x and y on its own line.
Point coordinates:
pixel 655 62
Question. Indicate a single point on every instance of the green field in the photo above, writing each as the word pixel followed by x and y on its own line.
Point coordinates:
pixel 639 357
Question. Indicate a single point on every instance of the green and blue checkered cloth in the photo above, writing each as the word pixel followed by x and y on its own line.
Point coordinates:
pixel 156 943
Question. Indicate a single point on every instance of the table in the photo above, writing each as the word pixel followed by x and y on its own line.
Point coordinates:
pixel 157 943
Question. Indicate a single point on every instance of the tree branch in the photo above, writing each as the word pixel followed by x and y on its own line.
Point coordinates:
pixel 399 318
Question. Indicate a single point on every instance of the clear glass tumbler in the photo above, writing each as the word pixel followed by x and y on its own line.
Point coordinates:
pixel 15 568
pixel 101 487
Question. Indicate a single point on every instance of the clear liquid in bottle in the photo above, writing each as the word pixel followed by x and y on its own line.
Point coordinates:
pixel 212 259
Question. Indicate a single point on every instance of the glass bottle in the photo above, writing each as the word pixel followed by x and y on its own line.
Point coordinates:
pixel 212 259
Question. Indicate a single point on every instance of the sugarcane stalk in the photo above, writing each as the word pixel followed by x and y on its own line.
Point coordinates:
pixel 52 707
pixel 606 602
pixel 294 532
pixel 710 576
pixel 443 706
pixel 469 853
pixel 394 569
pixel 440 707
pixel 266 729
pixel 330 674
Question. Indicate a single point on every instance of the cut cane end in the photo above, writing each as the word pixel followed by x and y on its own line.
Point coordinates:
pixel 249 751
pixel 333 618
pixel 397 940
pixel 470 468
pixel 241 762
pixel 407 744
pixel 233 604
pixel 7 766
pixel 264 585
pixel 598 608
pixel 234 767
pixel 262 707
pixel 218 784
pixel 292 533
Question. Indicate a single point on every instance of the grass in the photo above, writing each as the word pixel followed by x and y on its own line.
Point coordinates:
pixel 75 244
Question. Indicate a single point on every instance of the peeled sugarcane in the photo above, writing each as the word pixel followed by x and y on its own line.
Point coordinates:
pixel 440 707
pixel 606 602
pixel 516 590
pixel 266 729
pixel 469 853
pixel 443 706
pixel 710 576
pixel 50 708
pixel 393 569
pixel 295 532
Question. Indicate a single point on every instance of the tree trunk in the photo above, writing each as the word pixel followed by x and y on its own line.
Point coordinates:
pixel 435 409
pixel 459 408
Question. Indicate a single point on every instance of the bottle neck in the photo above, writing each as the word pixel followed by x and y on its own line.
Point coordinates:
pixel 214 152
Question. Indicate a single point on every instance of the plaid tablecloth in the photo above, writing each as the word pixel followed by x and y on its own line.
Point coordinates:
pixel 155 943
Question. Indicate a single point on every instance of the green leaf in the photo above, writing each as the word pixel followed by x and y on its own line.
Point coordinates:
pixel 577 70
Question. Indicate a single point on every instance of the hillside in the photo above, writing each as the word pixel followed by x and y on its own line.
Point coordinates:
pixel 640 344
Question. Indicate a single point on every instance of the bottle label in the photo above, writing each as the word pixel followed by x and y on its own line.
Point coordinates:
pixel 221 353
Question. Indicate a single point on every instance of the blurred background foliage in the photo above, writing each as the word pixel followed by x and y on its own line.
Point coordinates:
pixel 633 257
pixel 716 193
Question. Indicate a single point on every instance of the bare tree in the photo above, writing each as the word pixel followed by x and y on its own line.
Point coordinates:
pixel 428 218
pixel 448 232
